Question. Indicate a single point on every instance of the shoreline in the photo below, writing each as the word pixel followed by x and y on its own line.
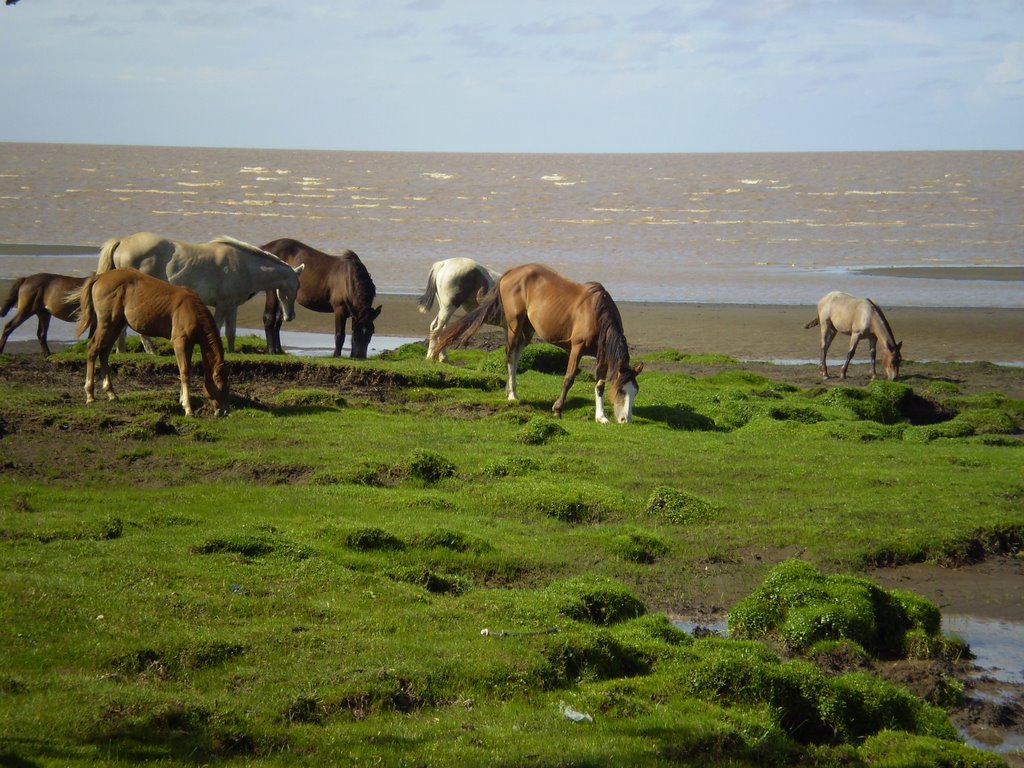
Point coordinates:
pixel 749 332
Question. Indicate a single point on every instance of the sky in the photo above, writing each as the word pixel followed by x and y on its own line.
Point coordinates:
pixel 516 75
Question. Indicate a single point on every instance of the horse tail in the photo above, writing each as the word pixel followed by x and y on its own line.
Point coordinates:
pixel 12 297
pixel 86 312
pixel 814 322
pixel 464 328
pixel 427 299
pixel 106 262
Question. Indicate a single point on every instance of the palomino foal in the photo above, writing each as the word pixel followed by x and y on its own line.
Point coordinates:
pixel 840 312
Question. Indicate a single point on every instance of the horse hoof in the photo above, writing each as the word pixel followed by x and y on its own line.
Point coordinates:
pixel 601 419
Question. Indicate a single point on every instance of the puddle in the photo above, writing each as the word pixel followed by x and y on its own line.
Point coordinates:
pixel 998 646
pixel 299 343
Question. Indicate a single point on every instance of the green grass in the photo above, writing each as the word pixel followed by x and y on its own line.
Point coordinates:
pixel 308 578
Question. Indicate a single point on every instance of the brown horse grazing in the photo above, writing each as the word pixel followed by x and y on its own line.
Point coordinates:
pixel 43 295
pixel 338 284
pixel 579 317
pixel 121 297
pixel 455 282
pixel 840 312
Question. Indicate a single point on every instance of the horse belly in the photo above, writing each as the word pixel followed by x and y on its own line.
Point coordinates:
pixel 145 321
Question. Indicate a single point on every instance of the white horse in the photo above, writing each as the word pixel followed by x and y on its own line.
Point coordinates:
pixel 224 272
pixel 840 312
pixel 456 282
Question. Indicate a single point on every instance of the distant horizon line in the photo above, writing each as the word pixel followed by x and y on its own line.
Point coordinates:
pixel 515 152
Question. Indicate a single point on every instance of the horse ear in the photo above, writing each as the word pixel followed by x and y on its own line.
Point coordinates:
pixel 298 269
pixel 899 345
pixel 637 368
pixel 376 312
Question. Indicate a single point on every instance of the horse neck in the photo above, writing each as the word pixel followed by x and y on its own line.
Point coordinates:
pixel 880 326
pixel 212 352
pixel 362 291
pixel 612 349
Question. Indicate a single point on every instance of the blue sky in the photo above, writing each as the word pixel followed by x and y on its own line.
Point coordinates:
pixel 517 75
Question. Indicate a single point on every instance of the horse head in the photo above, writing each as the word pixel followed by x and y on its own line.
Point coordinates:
pixel 892 359
pixel 624 391
pixel 288 290
pixel 362 331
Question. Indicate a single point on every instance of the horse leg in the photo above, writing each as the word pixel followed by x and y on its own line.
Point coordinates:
pixel 273 317
pixel 12 325
pixel 444 314
pixel 90 371
pixel 230 320
pixel 828 333
pixel 854 341
pixel 108 384
pixel 340 319
pixel 599 416
pixel 100 345
pixel 570 376
pixel 872 343
pixel 226 318
pixel 518 337
pixel 42 329
pixel 183 354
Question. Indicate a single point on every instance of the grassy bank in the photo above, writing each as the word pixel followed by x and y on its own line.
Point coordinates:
pixel 309 578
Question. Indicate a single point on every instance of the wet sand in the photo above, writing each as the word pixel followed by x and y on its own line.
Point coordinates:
pixel 743 331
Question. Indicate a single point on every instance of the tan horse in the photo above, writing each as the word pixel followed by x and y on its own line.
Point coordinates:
pixel 127 297
pixel 225 272
pixel 44 295
pixel 456 282
pixel 579 317
pixel 840 312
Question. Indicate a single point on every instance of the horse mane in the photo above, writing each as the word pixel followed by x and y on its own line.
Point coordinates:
pixel 255 250
pixel 885 322
pixel 361 286
pixel 611 341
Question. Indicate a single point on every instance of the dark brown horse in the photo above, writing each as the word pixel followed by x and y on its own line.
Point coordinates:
pixel 126 297
pixel 44 295
pixel 579 317
pixel 338 284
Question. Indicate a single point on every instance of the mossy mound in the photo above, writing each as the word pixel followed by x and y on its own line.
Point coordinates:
pixel 800 607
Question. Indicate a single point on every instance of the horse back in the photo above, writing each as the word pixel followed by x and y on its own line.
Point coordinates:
pixel 326 281
pixel 148 305
pixel 847 313
pixel 557 307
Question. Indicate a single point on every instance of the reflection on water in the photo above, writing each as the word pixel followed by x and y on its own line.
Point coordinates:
pixel 998 646
pixel 298 343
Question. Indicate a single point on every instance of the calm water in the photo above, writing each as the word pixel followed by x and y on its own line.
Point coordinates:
pixel 743 228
